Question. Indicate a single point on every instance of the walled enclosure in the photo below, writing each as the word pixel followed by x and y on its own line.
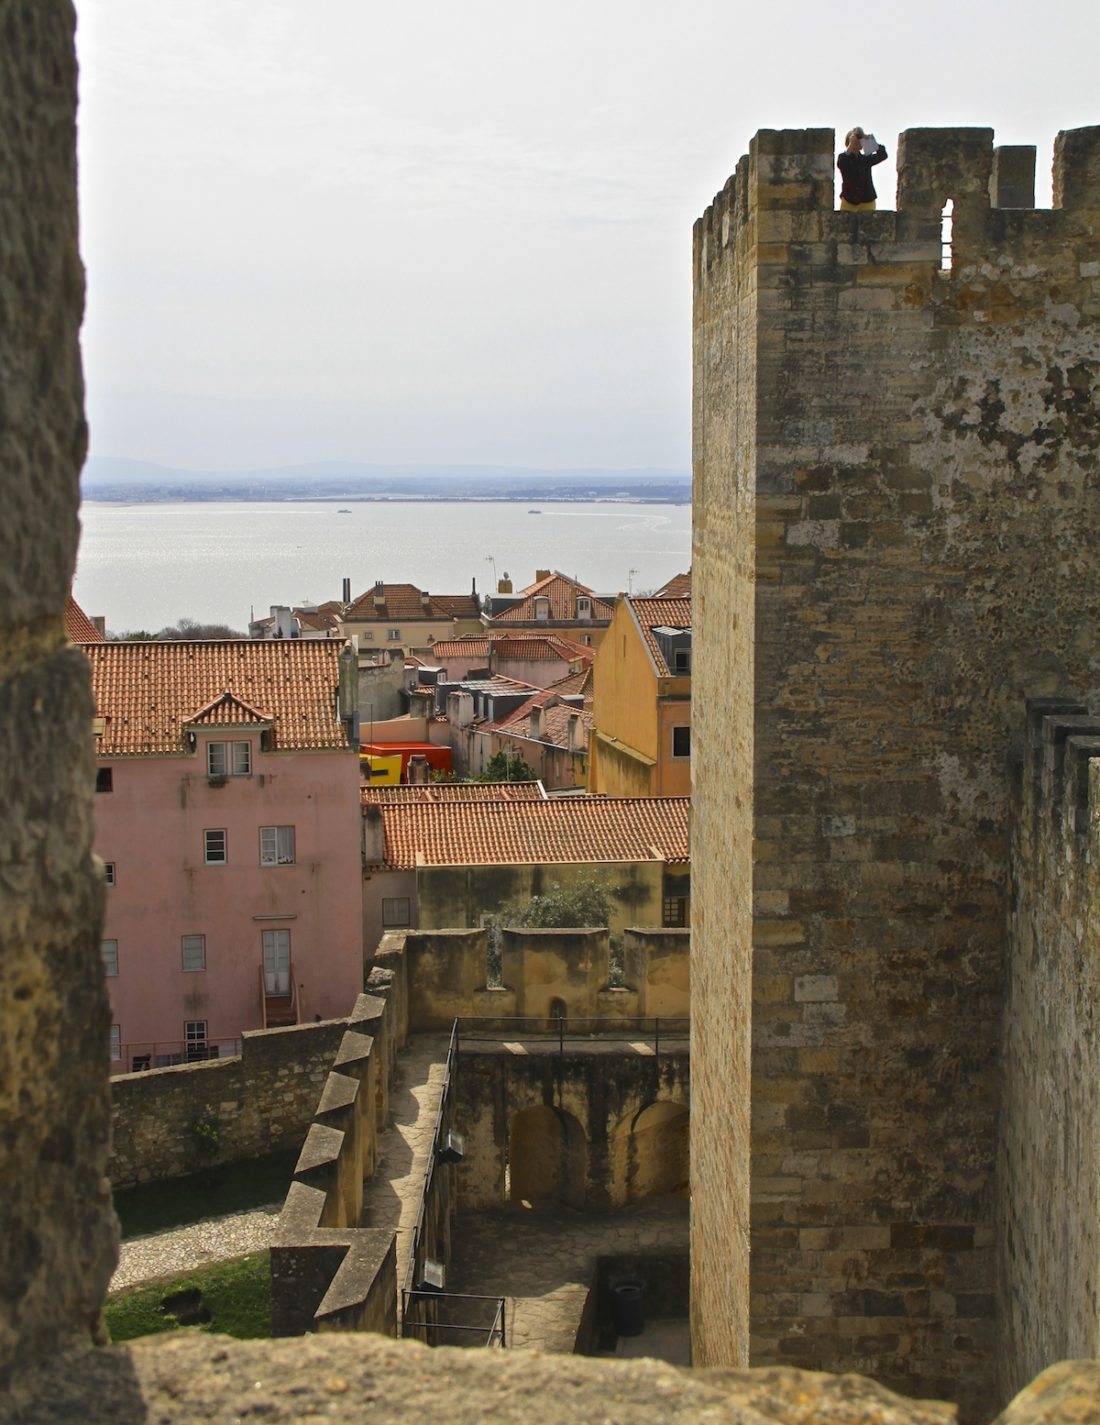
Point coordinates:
pixel 442 974
pixel 260 1100
pixel 57 1231
pixel 461 895
pixel 896 518
pixel 586 1140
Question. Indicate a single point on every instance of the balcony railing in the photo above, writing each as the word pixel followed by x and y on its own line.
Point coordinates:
pixel 144 1054
pixel 282 1007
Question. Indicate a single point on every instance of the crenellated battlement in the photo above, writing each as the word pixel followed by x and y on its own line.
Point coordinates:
pixel 783 191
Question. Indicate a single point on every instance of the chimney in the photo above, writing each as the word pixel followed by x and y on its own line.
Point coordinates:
pixel 504 586
pixel 425 601
pixel 573 732
pixel 540 574
pixel 460 709
pixel 379 594
pixel 347 592
pixel 417 773
pixel 536 722
pixel 374 837
pixel 99 623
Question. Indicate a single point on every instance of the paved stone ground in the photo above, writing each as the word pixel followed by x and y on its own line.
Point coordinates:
pixel 179 1249
pixel 543 1260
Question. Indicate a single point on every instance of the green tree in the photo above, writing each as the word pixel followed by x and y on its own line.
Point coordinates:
pixel 585 903
pixel 563 907
pixel 508 767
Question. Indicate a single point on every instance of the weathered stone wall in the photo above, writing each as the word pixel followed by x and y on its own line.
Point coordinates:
pixel 439 975
pixel 450 897
pixel 597 1094
pixel 330 1271
pixel 57 1232
pixel 896 518
pixel 260 1101
pixel 1049 1161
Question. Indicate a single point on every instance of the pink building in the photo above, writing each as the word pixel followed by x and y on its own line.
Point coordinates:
pixel 228 819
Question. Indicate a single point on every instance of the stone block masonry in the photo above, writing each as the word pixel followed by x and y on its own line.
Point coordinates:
pixel 57 1232
pixel 1048 1165
pixel 259 1101
pixel 896 517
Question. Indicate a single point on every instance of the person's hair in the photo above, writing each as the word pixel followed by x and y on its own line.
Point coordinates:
pixel 857 132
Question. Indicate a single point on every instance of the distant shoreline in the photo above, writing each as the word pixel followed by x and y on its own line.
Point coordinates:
pixel 148 497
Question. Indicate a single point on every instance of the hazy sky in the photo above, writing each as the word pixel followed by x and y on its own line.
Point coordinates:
pixel 347 230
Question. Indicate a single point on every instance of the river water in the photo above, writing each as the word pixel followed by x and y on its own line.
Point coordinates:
pixel 149 565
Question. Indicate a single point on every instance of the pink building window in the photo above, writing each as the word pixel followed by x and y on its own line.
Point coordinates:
pixel 229 759
pixel 215 847
pixel 276 846
pixel 194 952
pixel 109 950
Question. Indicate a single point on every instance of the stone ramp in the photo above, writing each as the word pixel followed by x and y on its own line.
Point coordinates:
pixel 391 1198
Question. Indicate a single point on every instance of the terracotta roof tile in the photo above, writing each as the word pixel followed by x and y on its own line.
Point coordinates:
pixel 225 711
pixel 553 722
pixel 678 587
pixel 148 693
pixel 561 592
pixel 559 830
pixel 439 792
pixel 660 613
pixel 407 603
pixel 78 626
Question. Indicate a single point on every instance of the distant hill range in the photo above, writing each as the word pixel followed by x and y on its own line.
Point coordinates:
pixel 108 478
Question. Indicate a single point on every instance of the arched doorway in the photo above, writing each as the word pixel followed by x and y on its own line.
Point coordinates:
pixel 650 1155
pixel 547 1158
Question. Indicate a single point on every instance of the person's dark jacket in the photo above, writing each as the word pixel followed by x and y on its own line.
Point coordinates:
pixel 855 174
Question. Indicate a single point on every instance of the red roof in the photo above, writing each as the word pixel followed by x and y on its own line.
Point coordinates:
pixel 678 587
pixel 660 613
pixel 562 592
pixel 579 829
pixel 435 792
pixel 407 603
pixel 78 626
pixel 149 693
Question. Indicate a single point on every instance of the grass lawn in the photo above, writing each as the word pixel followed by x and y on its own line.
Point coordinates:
pixel 232 1187
pixel 235 1295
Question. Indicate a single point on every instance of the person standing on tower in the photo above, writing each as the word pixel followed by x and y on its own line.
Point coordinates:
pixel 861 153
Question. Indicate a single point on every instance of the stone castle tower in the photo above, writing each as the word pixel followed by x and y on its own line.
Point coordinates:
pixel 897 517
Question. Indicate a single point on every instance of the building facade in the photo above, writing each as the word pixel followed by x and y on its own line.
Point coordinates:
pixel 641 701
pixel 227 820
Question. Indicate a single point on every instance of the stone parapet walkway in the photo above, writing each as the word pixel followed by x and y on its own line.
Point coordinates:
pixel 391 1198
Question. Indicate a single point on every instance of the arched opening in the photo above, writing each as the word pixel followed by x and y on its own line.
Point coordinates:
pixel 547 1159
pixel 650 1155
pixel 558 1009
pixel 947 222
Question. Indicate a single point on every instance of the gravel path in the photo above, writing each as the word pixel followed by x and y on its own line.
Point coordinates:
pixel 178 1249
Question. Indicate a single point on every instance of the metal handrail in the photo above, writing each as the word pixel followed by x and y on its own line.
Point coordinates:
pixel 496 1330
pixel 179 1050
pixel 429 1176
pixel 491 1028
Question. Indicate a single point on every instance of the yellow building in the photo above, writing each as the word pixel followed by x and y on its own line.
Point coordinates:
pixel 642 701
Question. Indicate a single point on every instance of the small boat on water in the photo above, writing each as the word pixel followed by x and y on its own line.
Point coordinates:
pixel 343 512
pixel 534 512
